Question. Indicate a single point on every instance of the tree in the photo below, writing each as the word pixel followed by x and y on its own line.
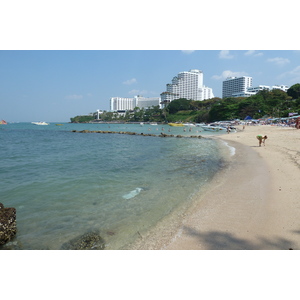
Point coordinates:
pixel 294 91
pixel 179 104
pixel 225 110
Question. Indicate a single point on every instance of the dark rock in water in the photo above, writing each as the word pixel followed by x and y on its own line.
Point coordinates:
pixel 88 241
pixel 8 227
pixel 12 245
pixel 110 233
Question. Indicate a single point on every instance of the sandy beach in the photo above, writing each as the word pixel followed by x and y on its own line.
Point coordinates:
pixel 254 204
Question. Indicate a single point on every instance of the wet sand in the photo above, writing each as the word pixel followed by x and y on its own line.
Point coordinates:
pixel 252 204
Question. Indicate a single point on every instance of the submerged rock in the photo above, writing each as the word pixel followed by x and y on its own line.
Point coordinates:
pixel 88 241
pixel 8 227
pixel 12 245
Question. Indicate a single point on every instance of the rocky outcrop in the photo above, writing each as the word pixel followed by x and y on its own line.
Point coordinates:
pixel 8 227
pixel 88 241
pixel 134 133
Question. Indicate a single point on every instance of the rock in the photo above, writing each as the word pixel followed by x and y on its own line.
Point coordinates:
pixel 8 227
pixel 88 241
pixel 12 245
pixel 163 135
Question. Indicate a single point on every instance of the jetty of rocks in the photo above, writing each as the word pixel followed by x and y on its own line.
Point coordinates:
pixel 135 133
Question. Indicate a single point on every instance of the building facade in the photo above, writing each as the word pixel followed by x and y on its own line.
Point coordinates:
pixel 187 85
pixel 236 85
pixel 242 87
pixel 254 90
pixel 125 104
pixel 119 103
pixel 280 87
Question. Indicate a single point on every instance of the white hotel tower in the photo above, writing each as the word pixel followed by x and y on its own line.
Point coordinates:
pixel 119 103
pixel 236 85
pixel 187 85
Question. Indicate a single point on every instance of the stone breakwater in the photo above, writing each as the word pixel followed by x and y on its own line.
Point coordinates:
pixel 8 227
pixel 134 133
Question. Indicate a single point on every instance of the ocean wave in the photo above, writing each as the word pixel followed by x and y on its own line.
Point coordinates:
pixel 231 149
pixel 132 194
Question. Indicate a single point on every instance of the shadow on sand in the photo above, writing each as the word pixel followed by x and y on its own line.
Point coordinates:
pixel 218 240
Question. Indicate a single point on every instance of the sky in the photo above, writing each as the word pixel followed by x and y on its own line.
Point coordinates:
pixel 59 59
pixel 55 85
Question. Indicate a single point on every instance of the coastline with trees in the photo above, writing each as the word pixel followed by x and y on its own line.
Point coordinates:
pixel 264 104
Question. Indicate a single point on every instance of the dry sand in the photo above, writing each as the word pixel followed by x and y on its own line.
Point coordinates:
pixel 253 204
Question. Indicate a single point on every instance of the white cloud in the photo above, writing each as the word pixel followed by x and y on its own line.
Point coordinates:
pixel 188 51
pixel 73 97
pixel 279 61
pixel 253 53
pixel 130 81
pixel 224 54
pixel 293 75
pixel 229 73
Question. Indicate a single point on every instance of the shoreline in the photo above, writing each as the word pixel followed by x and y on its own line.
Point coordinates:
pixel 250 205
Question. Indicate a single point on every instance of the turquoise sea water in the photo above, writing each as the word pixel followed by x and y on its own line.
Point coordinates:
pixel 65 184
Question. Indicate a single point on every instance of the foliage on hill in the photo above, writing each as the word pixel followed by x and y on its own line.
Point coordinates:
pixel 275 103
pixel 82 119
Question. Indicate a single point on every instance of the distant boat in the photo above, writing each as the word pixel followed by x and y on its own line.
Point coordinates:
pixel 212 127
pixel 176 124
pixel 40 123
pixel 3 122
pixel 153 123
pixel 189 124
pixel 59 124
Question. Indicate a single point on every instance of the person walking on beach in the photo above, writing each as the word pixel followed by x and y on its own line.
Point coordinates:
pixel 261 139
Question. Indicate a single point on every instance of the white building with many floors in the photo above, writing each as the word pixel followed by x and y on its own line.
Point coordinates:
pixel 187 85
pixel 236 85
pixel 124 104
pixel 254 90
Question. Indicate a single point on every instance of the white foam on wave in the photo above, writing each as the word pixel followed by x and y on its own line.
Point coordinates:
pixel 231 149
pixel 132 194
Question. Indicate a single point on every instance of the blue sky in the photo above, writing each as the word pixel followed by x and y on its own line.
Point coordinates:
pixel 56 85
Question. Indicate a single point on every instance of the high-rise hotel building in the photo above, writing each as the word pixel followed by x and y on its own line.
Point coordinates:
pixel 187 85
pixel 236 85
pixel 119 103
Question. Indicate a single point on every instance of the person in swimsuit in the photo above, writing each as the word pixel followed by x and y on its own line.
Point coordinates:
pixel 261 139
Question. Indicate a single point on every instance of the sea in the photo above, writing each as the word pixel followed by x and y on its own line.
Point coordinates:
pixel 67 184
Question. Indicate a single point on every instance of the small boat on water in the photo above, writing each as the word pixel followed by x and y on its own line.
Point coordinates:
pixel 39 123
pixel 3 122
pixel 59 124
pixel 213 127
pixel 189 124
pixel 176 124
pixel 153 123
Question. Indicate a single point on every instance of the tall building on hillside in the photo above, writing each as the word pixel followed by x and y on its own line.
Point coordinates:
pixel 254 90
pixel 187 85
pixel 236 85
pixel 119 103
